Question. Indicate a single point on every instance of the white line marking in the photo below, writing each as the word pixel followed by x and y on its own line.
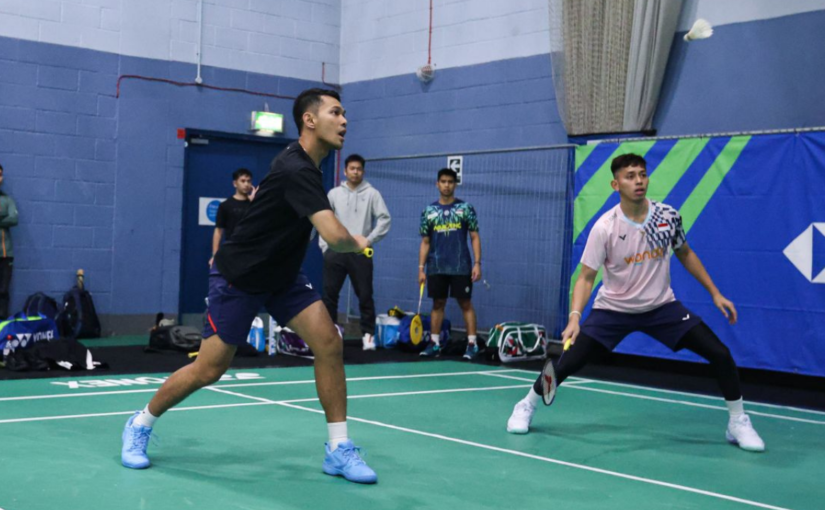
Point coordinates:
pixel 221 406
pixel 525 455
pixel 567 382
pixel 117 413
pixel 683 393
pixel 246 385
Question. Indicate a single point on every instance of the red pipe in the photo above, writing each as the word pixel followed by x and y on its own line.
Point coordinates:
pixel 430 43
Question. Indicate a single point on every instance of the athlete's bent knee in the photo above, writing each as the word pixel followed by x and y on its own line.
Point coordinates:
pixel 329 345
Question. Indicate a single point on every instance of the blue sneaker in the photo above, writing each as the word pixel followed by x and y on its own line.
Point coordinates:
pixel 345 461
pixel 471 352
pixel 433 350
pixel 135 441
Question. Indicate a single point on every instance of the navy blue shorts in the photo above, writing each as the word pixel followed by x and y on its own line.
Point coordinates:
pixel 667 324
pixel 231 310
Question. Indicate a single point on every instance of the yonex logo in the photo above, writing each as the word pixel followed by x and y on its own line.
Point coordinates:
pixel 807 252
pixel 22 340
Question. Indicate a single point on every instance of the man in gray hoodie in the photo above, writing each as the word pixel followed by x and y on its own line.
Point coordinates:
pixel 360 208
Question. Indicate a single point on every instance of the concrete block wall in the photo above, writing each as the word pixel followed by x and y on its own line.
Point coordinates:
pixel 381 38
pixel 756 75
pixel 98 179
pixel 281 37
pixel 58 126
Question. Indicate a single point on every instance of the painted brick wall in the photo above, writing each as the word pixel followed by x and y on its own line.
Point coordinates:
pixel 505 104
pixel 749 76
pixel 387 38
pixel 57 145
pixel 279 37
pixel 98 179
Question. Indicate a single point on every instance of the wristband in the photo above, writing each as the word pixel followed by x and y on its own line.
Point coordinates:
pixel 576 312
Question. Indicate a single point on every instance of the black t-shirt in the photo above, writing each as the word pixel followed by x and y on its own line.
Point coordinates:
pixel 269 243
pixel 230 213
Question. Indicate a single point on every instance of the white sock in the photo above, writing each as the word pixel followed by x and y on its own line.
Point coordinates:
pixel 337 434
pixel 471 339
pixel 736 408
pixel 533 397
pixel 436 340
pixel 145 418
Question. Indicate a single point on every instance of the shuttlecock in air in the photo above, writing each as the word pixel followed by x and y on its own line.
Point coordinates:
pixel 701 29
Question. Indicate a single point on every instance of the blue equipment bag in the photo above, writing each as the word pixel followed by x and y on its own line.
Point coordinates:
pixel 39 303
pixel 22 331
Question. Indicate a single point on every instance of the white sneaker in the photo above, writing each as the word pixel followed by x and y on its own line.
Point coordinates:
pixel 740 432
pixel 519 422
pixel 368 342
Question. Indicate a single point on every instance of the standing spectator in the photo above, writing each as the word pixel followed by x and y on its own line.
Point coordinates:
pixel 360 208
pixel 450 272
pixel 8 219
pixel 232 209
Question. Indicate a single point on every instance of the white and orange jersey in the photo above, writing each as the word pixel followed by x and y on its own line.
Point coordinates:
pixel 635 257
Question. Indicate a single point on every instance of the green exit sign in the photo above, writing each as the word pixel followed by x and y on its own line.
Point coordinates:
pixel 267 122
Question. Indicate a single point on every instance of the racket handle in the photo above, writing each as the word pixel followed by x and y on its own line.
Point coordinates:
pixel 368 252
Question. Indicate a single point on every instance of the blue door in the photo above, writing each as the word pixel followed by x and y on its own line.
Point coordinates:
pixel 210 160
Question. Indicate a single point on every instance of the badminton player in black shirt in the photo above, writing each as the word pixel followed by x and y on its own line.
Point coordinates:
pixel 260 266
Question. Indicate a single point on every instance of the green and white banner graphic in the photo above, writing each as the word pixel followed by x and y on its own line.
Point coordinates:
pixel 753 208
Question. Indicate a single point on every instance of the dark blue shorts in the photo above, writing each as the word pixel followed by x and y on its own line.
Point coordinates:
pixel 231 310
pixel 667 324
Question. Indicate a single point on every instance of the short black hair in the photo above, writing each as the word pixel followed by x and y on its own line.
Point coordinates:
pixel 357 158
pixel 448 172
pixel 307 99
pixel 237 174
pixel 626 161
pixel 1 168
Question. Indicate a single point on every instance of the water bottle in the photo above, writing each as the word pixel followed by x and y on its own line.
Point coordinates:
pixel 256 335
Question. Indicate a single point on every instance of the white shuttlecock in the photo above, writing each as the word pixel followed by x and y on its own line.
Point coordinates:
pixel 701 29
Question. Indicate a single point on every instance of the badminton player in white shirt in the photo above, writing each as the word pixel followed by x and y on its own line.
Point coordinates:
pixel 634 242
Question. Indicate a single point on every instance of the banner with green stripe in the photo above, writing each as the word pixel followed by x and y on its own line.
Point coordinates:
pixel 750 209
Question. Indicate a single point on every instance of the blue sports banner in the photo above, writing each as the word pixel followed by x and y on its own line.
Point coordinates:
pixel 753 208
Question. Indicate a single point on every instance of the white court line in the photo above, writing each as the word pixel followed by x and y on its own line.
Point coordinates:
pixel 522 454
pixel 568 382
pixel 297 400
pixel 246 385
pixel 683 393
pixel 577 385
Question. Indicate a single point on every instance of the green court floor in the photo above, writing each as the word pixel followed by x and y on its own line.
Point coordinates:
pixel 434 433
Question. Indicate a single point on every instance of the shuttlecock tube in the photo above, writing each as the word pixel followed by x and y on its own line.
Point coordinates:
pixel 701 29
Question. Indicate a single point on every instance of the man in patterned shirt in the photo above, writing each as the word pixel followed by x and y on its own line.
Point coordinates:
pixel 450 271
pixel 634 242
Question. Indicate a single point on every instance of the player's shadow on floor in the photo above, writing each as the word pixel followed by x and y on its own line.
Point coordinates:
pixel 618 438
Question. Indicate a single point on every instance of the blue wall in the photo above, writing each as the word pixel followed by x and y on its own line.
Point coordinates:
pixel 764 74
pixel 504 104
pixel 98 180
